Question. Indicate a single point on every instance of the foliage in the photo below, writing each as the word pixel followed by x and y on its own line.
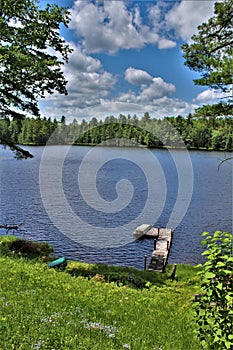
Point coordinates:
pixel 41 308
pixel 27 68
pixel 215 110
pixel 197 131
pixel 29 63
pixel 211 51
pixel 12 246
pixel 214 310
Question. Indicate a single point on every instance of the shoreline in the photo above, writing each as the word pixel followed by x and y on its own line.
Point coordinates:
pixel 175 148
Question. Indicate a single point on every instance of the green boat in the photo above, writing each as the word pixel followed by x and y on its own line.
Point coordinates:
pixel 61 262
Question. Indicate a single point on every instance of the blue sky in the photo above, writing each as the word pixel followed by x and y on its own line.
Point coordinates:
pixel 127 59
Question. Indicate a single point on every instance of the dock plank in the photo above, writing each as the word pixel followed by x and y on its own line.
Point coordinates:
pixel 160 254
pixel 162 244
pixel 152 233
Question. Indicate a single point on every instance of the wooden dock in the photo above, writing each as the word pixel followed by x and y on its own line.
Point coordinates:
pixel 162 244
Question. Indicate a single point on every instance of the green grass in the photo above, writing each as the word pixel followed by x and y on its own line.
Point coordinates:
pixel 42 308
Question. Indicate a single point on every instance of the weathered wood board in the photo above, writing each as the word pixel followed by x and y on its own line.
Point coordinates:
pixel 162 244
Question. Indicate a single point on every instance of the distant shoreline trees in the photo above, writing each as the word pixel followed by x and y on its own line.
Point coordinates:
pixel 193 131
pixel 29 72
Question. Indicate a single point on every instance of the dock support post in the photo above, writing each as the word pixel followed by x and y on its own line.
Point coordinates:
pixel 155 241
pixel 145 258
pixel 167 245
pixel 163 269
pixel 158 232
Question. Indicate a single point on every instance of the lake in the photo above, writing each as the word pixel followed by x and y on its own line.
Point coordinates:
pixel 87 201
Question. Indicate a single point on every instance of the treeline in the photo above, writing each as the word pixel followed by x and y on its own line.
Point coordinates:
pixel 193 131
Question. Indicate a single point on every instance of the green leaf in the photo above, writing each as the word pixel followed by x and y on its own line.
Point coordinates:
pixel 229 298
pixel 228 344
pixel 206 252
pixel 227 272
pixel 209 275
pixel 219 286
pixel 205 234
pixel 198 266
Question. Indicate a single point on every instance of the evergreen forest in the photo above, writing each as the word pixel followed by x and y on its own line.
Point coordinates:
pixel 194 131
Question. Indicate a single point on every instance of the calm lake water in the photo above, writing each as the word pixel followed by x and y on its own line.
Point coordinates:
pixel 86 201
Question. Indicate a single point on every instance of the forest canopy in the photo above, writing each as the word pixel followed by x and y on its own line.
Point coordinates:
pixel 29 71
pixel 191 132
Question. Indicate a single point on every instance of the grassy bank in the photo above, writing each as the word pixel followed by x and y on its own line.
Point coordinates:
pixel 82 308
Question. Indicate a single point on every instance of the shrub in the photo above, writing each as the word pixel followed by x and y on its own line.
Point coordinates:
pixel 21 247
pixel 214 313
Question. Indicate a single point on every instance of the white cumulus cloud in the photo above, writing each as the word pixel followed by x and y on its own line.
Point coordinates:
pixel 154 97
pixel 137 76
pixel 166 43
pixel 151 87
pixel 185 16
pixel 157 89
pixel 209 96
pixel 109 26
pixel 81 62
pixel 105 28
pixel 88 82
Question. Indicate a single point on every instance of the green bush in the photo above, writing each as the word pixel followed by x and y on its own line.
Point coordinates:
pixel 214 310
pixel 13 246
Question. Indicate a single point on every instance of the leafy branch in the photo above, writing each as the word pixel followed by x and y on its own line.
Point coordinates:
pixel 214 313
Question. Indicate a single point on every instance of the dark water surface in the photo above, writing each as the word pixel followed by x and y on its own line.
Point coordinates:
pixel 104 231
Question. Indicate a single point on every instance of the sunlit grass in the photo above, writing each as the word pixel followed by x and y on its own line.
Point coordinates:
pixel 42 308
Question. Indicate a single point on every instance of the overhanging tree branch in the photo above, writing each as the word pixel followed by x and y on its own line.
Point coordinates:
pixel 27 70
pixel 19 152
pixel 211 53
